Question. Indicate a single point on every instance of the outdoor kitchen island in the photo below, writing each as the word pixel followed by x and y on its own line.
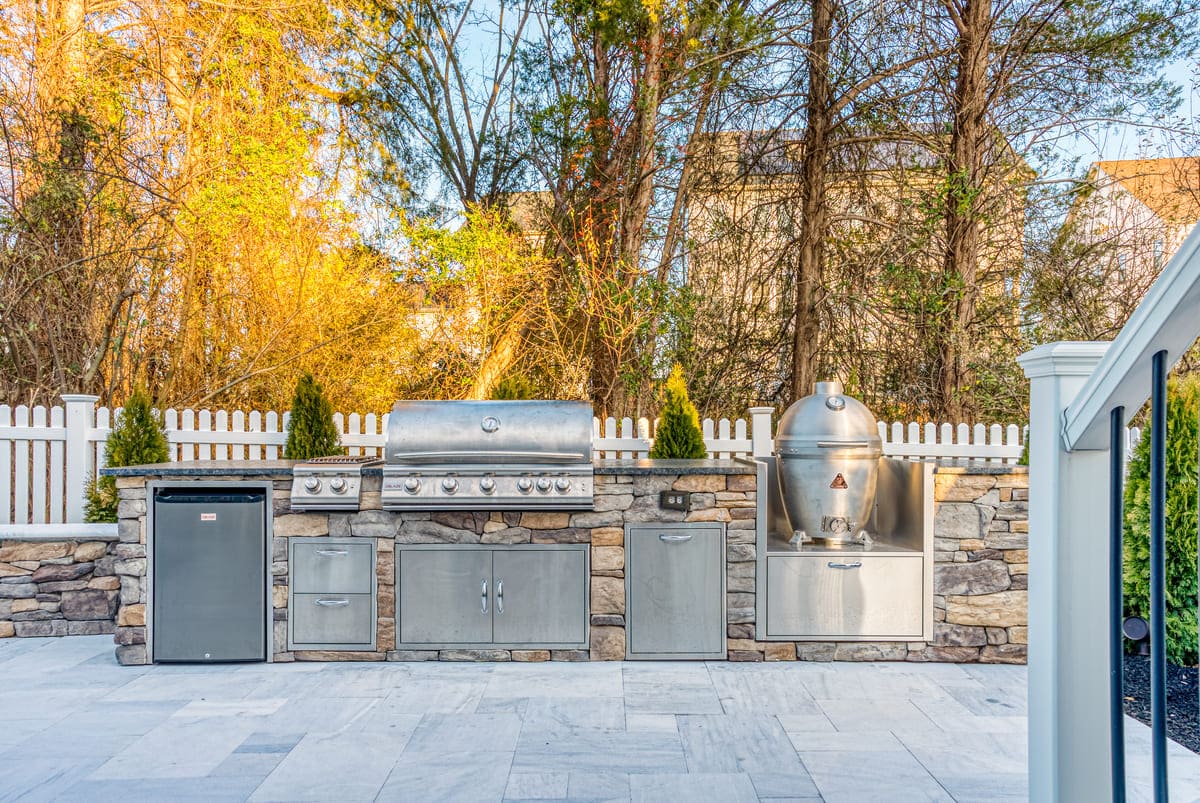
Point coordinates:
pixel 978 593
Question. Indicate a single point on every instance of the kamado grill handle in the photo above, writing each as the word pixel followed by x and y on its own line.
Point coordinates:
pixel 843 444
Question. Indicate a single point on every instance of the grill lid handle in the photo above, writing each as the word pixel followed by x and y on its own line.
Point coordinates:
pixel 468 457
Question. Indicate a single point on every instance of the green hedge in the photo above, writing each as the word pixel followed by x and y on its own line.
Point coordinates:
pixel 1183 404
pixel 137 439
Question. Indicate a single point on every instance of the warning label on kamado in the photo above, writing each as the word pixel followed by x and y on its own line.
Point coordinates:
pixel 839 482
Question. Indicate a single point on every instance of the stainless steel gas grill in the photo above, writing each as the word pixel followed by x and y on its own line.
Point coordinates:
pixel 488 455
pixel 329 483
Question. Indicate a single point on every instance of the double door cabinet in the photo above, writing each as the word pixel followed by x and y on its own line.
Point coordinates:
pixel 511 596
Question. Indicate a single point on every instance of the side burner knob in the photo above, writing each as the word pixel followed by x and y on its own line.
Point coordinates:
pixel 412 485
pixel 562 484
pixel 312 484
pixel 449 485
pixel 524 485
pixel 338 485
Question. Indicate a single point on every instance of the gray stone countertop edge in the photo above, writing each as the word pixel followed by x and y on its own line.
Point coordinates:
pixel 283 468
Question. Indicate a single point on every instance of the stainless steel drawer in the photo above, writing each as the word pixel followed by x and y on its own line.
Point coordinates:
pixel 332 621
pixel 332 567
pixel 851 595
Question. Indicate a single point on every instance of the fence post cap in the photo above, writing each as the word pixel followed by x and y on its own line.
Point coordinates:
pixel 760 410
pixel 78 397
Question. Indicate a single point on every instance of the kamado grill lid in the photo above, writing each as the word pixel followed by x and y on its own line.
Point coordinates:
pixel 825 422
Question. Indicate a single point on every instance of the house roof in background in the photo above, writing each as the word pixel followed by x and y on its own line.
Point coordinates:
pixel 1169 187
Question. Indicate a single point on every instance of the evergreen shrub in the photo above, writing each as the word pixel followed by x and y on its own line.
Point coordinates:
pixel 512 387
pixel 137 439
pixel 1183 404
pixel 678 434
pixel 311 432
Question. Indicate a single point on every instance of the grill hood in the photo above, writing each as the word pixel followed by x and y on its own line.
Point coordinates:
pixel 491 432
pixel 827 422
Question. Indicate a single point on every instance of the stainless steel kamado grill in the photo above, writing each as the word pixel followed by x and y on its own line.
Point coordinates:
pixel 828 449
pixel 488 455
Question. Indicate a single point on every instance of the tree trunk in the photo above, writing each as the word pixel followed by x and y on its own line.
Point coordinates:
pixel 806 333
pixel 953 398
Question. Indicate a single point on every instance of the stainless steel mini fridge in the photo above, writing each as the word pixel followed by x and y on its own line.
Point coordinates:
pixel 209 574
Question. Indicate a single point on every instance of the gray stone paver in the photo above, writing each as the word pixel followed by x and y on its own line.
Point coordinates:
pixel 77 727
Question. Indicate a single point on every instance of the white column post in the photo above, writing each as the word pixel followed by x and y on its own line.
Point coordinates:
pixel 77 454
pixel 762 439
pixel 1069 751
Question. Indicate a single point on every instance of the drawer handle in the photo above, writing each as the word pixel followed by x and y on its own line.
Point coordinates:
pixel 674 539
pixel 855 565
pixel 499 597
pixel 332 552
pixel 333 603
pixel 483 597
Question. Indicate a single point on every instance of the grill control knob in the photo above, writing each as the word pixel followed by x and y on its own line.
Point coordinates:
pixel 337 485
pixel 524 485
pixel 312 484
pixel 543 484
pixel 562 484
pixel 449 485
pixel 412 485
pixel 487 485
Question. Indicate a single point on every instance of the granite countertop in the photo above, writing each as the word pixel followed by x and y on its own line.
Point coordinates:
pixel 977 467
pixel 275 468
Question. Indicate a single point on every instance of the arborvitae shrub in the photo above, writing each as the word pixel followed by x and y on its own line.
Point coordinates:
pixel 1183 403
pixel 137 439
pixel 678 434
pixel 513 387
pixel 311 432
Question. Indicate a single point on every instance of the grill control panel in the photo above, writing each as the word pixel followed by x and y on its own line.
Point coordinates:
pixel 410 488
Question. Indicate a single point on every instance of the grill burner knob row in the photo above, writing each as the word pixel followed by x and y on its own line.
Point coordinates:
pixel 312 484
pixel 524 485
pixel 412 485
pixel 338 485
pixel 487 485
pixel 449 485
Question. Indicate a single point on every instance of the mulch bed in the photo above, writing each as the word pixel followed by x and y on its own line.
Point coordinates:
pixel 1183 705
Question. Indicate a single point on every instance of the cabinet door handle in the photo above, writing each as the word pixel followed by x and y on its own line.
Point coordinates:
pixel 855 565
pixel 333 603
pixel 483 597
pixel 499 597
pixel 333 552
pixel 674 539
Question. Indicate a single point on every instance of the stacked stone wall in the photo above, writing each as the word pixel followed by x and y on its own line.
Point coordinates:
pixel 58 588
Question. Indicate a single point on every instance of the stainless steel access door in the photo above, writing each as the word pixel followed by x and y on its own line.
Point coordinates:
pixel 445 596
pixel 676 590
pixel 540 596
pixel 209 575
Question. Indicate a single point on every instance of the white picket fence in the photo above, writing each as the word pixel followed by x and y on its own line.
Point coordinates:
pixel 47 455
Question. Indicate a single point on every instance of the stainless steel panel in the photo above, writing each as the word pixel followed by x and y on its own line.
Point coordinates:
pixel 675 591
pixel 332 621
pixel 332 566
pixel 444 595
pixel 851 595
pixel 490 432
pixel 540 596
pixel 209 575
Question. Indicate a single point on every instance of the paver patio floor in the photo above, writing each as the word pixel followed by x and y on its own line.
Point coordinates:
pixel 78 727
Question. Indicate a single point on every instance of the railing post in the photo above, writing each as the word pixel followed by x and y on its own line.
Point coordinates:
pixel 77 454
pixel 1069 751
pixel 762 440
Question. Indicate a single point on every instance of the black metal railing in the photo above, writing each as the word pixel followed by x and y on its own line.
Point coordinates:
pixel 1158 619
